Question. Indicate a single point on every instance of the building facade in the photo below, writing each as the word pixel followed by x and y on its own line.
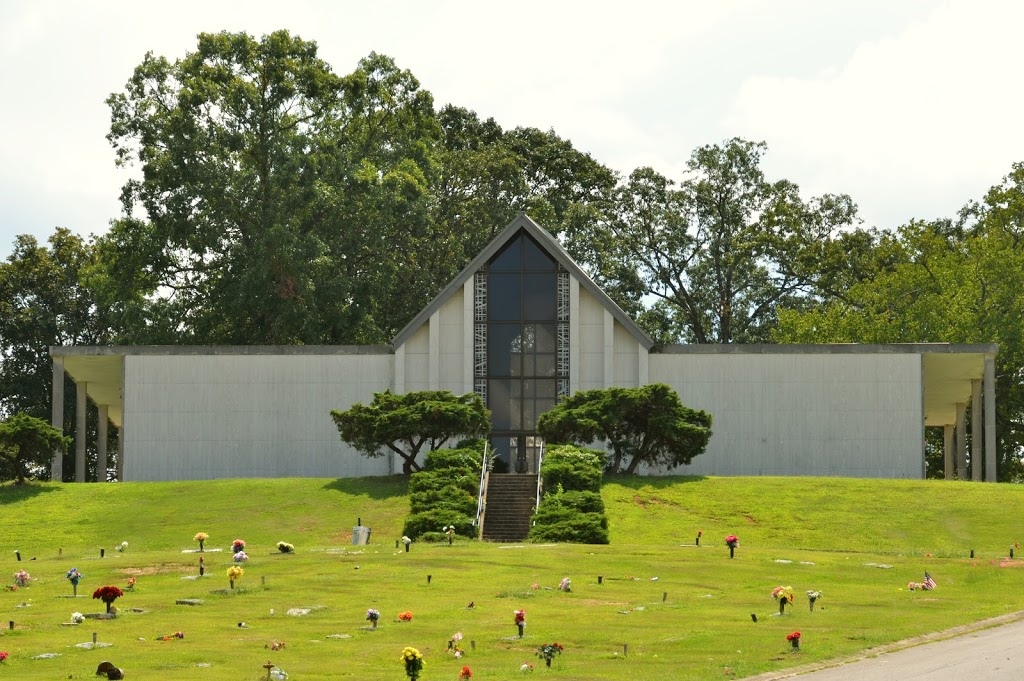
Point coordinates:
pixel 523 325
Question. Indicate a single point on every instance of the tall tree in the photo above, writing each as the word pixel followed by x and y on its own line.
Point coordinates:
pixel 645 425
pixel 27 444
pixel 272 194
pixel 709 260
pixel 407 423
pixel 943 281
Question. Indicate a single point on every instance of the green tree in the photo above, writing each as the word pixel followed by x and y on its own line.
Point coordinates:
pixel 27 445
pixel 646 425
pixel 942 281
pixel 709 260
pixel 408 422
pixel 275 193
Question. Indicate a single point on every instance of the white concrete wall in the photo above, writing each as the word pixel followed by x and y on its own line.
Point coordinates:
pixel 591 342
pixel 417 360
pixel 195 417
pixel 627 358
pixel 452 344
pixel 850 415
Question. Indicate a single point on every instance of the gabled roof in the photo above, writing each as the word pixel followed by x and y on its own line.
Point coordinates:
pixel 550 244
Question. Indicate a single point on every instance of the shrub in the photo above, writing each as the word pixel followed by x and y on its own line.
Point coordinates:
pixel 435 481
pixel 577 528
pixel 418 524
pixel 449 496
pixel 584 502
pixel 574 468
pixel 462 460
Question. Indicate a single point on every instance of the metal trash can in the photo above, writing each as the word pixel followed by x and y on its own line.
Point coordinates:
pixel 360 535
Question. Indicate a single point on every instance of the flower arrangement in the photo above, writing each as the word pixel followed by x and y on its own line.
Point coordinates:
pixel 285 547
pixel 73 576
pixel 784 595
pixel 813 596
pixel 171 637
pixel 412 660
pixel 21 578
pixel 407 542
pixel 234 574
pixel 201 537
pixel 450 531
pixel 453 645
pixel 77 617
pixel 373 615
pixel 107 594
pixel 122 546
pixel 520 620
pixel 732 541
pixel 4 655
pixel 526 667
pixel 405 616
pixel 278 674
pixel 794 639
pixel 237 545
pixel 465 673
pixel 131 585
pixel 565 584
pixel 548 651
pixel 240 557
pixel 11 587
pixel 275 645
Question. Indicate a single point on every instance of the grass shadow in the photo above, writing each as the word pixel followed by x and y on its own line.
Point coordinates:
pixel 655 481
pixel 11 492
pixel 377 487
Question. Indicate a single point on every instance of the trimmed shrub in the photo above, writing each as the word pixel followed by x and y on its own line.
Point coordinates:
pixel 461 460
pixel 584 502
pixel 418 524
pixel 449 496
pixel 573 527
pixel 435 481
pixel 574 468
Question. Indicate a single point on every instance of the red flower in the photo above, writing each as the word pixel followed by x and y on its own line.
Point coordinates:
pixel 405 616
pixel 795 635
pixel 465 674
pixel 107 594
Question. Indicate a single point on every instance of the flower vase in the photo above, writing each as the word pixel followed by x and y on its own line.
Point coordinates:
pixel 547 661
pixel 108 608
pixel 200 547
pixel 373 624
pixel 812 605
pixel 451 540
pixel 520 625
pixel 782 605
pixel 407 548
pixel 732 551
pixel 74 590
pixel 796 643
pixel 232 583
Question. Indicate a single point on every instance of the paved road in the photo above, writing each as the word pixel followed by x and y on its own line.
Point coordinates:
pixel 992 654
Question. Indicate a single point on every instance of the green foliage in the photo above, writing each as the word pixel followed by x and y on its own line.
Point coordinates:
pixel 436 518
pixel 445 493
pixel 458 461
pixel 717 253
pixel 424 482
pixel 449 496
pixel 646 425
pixel 28 443
pixel 408 422
pixel 572 468
pixel 572 509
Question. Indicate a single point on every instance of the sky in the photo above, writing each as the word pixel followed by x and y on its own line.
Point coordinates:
pixel 912 107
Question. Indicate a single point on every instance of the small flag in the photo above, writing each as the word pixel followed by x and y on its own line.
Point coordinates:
pixel 929 583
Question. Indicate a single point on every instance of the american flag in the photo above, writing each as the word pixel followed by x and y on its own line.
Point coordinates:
pixel 929 583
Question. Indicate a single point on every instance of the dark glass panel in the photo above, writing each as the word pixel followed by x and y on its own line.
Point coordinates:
pixel 544 365
pixel 545 405
pixel 499 401
pixel 529 366
pixel 510 259
pixel 503 343
pixel 503 297
pixel 545 389
pixel 540 294
pixel 529 415
pixel 545 335
pixel 534 258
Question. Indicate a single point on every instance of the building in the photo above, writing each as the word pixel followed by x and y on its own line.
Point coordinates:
pixel 521 325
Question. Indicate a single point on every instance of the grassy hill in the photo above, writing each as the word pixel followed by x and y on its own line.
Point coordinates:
pixel 682 612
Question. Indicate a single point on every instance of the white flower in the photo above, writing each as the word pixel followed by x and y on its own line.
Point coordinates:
pixel 122 546
pixel 278 674
pixel 406 540
pixel 77 617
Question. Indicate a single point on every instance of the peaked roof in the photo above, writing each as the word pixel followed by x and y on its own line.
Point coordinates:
pixel 551 246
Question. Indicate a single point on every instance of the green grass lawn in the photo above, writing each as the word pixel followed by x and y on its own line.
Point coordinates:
pixel 665 609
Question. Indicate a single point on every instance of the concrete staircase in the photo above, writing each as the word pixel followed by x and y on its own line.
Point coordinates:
pixel 510 500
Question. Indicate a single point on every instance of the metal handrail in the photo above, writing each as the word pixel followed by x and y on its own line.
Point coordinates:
pixel 483 489
pixel 540 460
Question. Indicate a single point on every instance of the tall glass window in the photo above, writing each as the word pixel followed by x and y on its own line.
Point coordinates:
pixel 522 332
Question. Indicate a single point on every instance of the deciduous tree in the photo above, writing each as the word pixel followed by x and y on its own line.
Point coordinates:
pixel 28 443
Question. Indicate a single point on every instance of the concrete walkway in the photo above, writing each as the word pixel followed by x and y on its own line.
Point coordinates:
pixel 991 650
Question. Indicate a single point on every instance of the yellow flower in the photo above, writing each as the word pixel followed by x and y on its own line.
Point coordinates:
pixel 235 573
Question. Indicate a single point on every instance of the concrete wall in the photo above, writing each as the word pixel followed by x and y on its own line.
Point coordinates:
pixel 851 415
pixel 194 417
pixel 590 342
pixel 452 345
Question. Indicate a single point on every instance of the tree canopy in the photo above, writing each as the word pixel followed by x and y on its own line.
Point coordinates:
pixel 646 425
pixel 408 422
pixel 27 444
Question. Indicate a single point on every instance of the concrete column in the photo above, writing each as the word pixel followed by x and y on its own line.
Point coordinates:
pixel 947 450
pixel 81 411
pixel 101 443
pixel 609 349
pixel 990 419
pixel 57 417
pixel 120 449
pixel 434 358
pixel 574 335
pixel 961 441
pixel 399 389
pixel 976 430
pixel 468 336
